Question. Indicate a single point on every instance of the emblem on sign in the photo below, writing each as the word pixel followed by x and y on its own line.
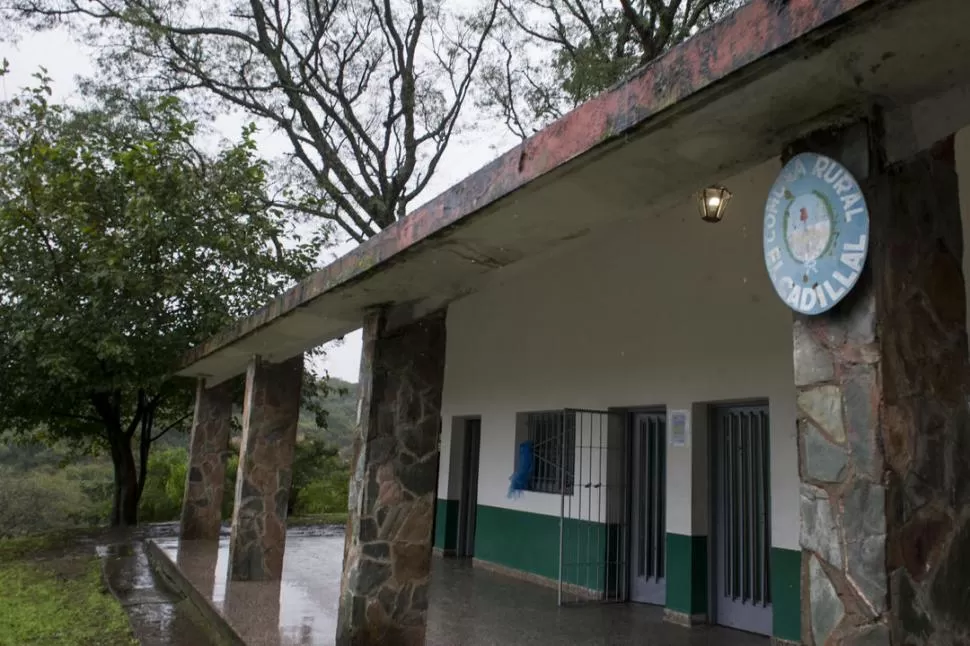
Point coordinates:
pixel 816 233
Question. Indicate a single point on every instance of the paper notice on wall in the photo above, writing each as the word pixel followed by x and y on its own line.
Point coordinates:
pixel 679 427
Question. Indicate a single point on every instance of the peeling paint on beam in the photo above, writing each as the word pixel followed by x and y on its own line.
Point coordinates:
pixel 752 33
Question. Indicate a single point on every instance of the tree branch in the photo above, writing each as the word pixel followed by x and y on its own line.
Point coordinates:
pixel 171 426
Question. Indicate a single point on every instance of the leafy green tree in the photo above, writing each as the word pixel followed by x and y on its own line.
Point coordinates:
pixel 315 461
pixel 121 246
pixel 553 55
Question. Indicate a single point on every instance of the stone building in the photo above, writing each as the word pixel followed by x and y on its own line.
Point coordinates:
pixel 694 442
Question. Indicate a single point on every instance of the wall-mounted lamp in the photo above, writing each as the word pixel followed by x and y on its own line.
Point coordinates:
pixel 712 202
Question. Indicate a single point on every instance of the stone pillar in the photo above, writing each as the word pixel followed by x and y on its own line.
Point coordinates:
pixel 883 425
pixel 271 412
pixel 387 557
pixel 205 480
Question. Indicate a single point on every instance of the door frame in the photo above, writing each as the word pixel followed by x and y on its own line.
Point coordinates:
pixel 631 413
pixel 468 492
pixel 712 537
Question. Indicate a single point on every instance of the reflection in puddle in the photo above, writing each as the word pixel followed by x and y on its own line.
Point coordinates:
pixel 303 606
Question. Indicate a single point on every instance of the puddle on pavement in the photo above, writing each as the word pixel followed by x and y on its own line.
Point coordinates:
pixel 303 606
pixel 115 550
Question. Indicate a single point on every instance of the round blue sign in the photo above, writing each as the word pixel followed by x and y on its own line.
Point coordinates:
pixel 816 233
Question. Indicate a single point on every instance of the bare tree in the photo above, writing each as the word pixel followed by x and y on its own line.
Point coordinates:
pixel 552 55
pixel 368 93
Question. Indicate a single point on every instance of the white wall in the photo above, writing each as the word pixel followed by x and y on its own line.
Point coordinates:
pixel 662 309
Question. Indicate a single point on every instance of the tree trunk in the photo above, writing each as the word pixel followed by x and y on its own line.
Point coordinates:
pixel 124 512
pixel 129 476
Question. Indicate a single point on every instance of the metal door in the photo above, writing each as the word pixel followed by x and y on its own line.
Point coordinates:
pixel 468 503
pixel 742 518
pixel 591 475
pixel 649 496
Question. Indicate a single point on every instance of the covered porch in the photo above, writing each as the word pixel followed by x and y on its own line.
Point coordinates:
pixel 467 606
pixel 868 461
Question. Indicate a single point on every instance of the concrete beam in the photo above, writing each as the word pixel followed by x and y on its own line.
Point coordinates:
pixel 709 107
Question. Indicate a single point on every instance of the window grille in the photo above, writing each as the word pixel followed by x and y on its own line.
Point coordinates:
pixel 553 436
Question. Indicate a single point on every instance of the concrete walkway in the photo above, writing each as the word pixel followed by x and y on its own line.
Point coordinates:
pixel 474 607
pixel 469 607
pixel 157 616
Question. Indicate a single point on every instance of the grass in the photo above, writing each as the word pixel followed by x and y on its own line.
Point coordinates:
pixel 51 594
pixel 333 518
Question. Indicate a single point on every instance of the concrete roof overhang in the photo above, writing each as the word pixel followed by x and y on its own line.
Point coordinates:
pixel 728 98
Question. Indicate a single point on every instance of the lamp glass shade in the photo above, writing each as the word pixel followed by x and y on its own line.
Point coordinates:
pixel 712 203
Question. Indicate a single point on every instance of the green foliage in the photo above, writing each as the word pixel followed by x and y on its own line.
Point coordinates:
pixel 161 499
pixel 327 518
pixel 49 499
pixel 46 488
pixel 123 246
pixel 320 486
pixel 320 479
pixel 229 499
pixel 95 481
pixel 327 496
pixel 14 549
pixel 552 55
pixel 330 414
pixel 598 59
pixel 26 456
pixel 57 601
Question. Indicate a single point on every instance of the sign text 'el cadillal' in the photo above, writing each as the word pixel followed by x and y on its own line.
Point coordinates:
pixel 816 233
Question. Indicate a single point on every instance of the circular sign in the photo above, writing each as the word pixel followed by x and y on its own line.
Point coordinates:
pixel 816 233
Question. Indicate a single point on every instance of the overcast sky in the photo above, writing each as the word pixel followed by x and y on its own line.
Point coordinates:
pixel 65 59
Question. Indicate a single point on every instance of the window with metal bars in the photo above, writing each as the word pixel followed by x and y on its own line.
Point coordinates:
pixel 553 437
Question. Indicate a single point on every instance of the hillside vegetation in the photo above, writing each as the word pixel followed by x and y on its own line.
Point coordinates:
pixel 60 487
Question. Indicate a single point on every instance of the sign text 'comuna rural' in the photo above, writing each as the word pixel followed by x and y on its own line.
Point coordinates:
pixel 816 233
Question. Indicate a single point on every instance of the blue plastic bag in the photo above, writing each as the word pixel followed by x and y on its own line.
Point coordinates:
pixel 519 480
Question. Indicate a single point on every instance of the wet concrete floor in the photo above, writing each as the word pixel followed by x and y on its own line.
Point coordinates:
pixel 469 607
pixel 299 610
pixel 157 616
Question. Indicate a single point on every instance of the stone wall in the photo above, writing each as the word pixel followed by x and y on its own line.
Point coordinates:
pixel 843 496
pixel 925 426
pixel 883 417
pixel 387 559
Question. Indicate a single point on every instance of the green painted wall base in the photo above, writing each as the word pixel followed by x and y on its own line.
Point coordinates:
pixel 530 543
pixel 446 525
pixel 786 594
pixel 686 572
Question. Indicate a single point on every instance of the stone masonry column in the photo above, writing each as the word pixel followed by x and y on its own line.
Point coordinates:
pixel 271 412
pixel 883 424
pixel 387 557
pixel 208 449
